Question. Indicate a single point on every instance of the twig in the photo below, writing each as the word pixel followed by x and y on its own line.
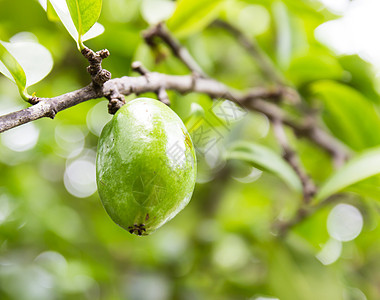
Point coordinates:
pixel 181 52
pixel 99 76
pixel 162 95
pixel 320 137
pixel 139 68
pixel 116 100
pixel 292 158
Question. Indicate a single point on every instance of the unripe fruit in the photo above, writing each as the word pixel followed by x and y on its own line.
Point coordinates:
pixel 145 166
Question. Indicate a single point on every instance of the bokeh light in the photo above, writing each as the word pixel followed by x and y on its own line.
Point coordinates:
pixel 345 222
pixel 330 252
pixel 353 33
pixel 155 11
pixel 70 139
pixel 79 178
pixel 231 253
pixel 97 117
pixel 21 138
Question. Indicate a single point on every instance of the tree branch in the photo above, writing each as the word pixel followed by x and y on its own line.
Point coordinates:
pixel 292 158
pixel 178 50
pixel 301 129
pixel 318 135
pixel 253 99
pixel 48 107
pixel 162 95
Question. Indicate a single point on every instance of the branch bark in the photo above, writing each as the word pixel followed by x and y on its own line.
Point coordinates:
pixel 178 50
pixel 48 107
pixel 292 158
pixel 253 100
pixel 152 82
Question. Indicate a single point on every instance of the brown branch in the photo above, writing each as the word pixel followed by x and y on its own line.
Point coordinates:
pixel 116 89
pixel 292 158
pixel 48 107
pixel 159 31
pixel 159 83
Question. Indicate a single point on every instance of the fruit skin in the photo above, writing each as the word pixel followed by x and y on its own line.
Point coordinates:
pixel 145 166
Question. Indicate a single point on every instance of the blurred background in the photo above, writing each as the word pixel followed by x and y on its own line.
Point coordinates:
pixel 56 240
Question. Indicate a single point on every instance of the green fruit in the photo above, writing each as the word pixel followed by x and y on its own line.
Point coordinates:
pixel 145 166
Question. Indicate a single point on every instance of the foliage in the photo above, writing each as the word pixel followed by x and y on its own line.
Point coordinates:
pixel 56 240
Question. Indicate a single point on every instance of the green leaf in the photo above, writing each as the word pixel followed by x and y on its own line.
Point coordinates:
pixel 51 14
pixel 362 166
pixel 28 63
pixel 348 114
pixel 367 188
pixel 84 14
pixel 12 69
pixel 265 159
pixel 314 67
pixel 362 76
pixel 191 16
pixel 284 34
pixel 62 10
